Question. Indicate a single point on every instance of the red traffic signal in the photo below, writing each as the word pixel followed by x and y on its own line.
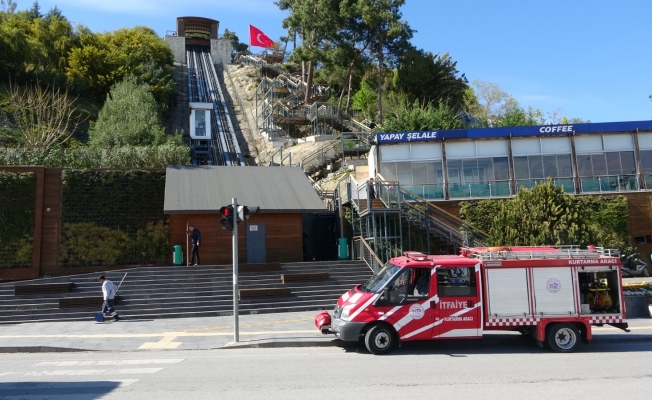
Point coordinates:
pixel 227 217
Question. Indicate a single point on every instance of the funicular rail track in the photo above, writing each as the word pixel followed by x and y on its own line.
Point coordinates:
pixel 204 87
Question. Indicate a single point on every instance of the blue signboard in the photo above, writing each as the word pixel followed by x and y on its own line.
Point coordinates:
pixel 515 131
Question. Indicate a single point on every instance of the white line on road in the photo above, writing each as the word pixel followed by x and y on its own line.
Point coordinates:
pixel 108 362
pixel 83 372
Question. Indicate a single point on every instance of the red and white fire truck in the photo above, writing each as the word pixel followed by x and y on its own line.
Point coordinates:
pixel 555 294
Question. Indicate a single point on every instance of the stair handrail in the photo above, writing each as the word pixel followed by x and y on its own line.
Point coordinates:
pixel 362 250
pixel 455 229
pixel 319 156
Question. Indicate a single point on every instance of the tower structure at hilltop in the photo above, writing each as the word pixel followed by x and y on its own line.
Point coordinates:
pixel 198 31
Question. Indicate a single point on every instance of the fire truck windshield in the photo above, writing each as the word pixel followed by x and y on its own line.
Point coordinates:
pixel 378 281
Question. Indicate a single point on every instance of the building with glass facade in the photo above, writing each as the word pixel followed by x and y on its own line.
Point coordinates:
pixel 467 164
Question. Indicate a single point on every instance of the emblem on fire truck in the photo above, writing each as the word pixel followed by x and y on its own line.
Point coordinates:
pixel 417 311
pixel 553 285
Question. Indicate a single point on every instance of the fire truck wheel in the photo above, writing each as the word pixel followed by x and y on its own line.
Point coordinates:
pixel 380 339
pixel 563 338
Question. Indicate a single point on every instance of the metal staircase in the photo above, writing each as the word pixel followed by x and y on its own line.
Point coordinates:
pixel 281 107
pixel 398 220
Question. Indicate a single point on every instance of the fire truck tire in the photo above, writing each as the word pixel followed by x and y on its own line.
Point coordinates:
pixel 563 338
pixel 380 339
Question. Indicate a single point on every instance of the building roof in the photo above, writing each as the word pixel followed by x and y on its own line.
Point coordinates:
pixel 205 189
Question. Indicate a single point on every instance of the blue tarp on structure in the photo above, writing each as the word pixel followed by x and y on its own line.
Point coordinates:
pixel 516 131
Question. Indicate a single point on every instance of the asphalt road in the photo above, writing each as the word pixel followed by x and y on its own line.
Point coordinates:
pixel 433 370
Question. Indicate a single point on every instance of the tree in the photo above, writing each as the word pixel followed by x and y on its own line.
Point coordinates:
pixel 429 77
pixel 238 47
pixel 129 117
pixel 8 6
pixel 543 215
pixel 35 11
pixel 317 21
pixel 102 60
pixel 389 37
pixel 420 117
pixel 43 117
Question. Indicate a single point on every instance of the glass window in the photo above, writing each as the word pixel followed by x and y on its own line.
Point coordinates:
pixel 599 163
pixel 409 285
pixel 646 161
pixel 388 170
pixel 454 169
pixel 456 282
pixel 404 172
pixel 584 165
pixel 419 173
pixel 613 163
pixel 470 168
pixel 435 172
pixel 550 166
pixel 564 165
pixel 535 164
pixel 521 168
pixel 486 169
pixel 501 168
pixel 627 162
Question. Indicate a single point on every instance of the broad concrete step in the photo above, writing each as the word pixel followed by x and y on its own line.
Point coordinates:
pixel 171 292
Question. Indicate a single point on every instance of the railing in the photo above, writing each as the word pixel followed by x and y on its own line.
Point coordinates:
pixel 439 221
pixel 568 184
pixel 479 189
pixel 609 183
pixel 361 250
pixel 320 156
pixel 281 158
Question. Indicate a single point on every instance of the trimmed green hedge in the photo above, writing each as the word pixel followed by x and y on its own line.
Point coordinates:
pixel 113 218
pixel 86 157
pixel 17 201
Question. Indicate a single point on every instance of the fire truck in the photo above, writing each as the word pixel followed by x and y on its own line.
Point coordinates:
pixel 554 294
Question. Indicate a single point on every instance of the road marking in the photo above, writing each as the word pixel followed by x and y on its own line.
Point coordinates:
pixel 108 362
pixel 85 372
pixel 151 335
pixel 165 343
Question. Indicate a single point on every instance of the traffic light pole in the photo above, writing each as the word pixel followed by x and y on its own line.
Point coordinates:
pixel 236 327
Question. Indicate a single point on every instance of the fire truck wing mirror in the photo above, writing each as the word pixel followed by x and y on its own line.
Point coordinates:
pixel 385 295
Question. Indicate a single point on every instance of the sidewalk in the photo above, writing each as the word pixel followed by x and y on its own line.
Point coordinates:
pixel 257 330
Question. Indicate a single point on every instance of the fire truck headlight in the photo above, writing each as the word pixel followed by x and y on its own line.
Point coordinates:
pixel 346 310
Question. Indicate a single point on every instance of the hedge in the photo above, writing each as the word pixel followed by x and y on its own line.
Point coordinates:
pixel 113 218
pixel 17 201
pixel 85 157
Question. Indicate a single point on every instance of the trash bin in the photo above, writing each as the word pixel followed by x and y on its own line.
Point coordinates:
pixel 177 256
pixel 342 248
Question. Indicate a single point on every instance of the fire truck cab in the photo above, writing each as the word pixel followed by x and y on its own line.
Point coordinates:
pixel 555 294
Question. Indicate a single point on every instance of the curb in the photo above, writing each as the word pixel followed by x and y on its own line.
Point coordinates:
pixel 287 343
pixel 40 349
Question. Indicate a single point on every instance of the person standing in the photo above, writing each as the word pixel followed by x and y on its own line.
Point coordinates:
pixel 108 290
pixel 195 236
pixel 372 189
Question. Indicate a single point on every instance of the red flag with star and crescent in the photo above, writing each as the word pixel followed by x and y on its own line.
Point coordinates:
pixel 258 38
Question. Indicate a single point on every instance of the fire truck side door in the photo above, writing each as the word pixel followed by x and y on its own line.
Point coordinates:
pixel 458 314
pixel 408 304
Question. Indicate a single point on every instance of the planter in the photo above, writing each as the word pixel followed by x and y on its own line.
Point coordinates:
pixel 638 306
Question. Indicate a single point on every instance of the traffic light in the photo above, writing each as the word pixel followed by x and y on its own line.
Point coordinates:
pixel 227 217
pixel 244 212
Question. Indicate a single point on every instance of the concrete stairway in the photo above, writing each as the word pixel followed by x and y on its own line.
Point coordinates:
pixel 175 292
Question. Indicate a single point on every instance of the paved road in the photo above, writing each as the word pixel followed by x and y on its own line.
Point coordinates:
pixel 451 370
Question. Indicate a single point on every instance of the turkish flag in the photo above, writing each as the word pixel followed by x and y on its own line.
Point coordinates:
pixel 258 38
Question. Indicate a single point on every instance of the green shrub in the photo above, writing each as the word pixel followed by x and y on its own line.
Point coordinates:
pixel 121 211
pixel 86 157
pixel 17 200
